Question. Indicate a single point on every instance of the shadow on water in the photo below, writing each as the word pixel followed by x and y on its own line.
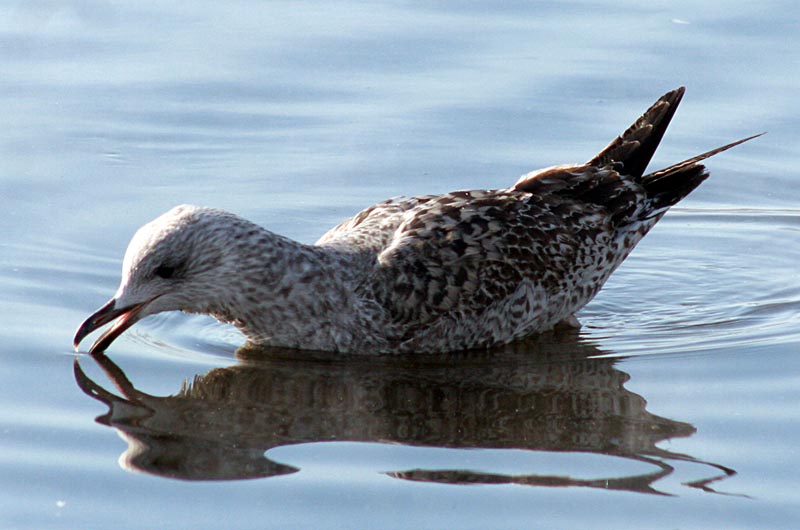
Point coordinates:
pixel 545 396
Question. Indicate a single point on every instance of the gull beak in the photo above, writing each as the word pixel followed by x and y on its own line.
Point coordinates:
pixel 126 317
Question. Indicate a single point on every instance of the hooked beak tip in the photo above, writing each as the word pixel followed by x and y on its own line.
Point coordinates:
pixel 126 317
pixel 102 316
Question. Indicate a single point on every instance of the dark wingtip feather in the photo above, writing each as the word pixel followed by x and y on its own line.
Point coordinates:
pixel 667 186
pixel 636 146
pixel 698 158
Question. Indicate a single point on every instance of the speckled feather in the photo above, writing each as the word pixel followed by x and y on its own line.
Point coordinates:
pixel 467 269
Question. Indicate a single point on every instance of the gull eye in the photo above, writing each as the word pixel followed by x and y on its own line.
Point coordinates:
pixel 164 271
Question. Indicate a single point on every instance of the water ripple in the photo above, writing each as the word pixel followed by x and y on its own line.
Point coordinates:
pixel 704 280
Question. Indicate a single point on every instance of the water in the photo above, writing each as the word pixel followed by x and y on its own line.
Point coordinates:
pixel 676 407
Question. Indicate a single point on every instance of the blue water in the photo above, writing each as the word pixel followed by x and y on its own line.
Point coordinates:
pixel 675 407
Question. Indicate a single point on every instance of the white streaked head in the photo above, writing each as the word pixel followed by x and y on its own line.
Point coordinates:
pixel 178 261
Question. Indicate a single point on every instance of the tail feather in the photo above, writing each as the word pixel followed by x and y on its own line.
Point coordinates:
pixel 672 186
pixel 636 146
pixel 615 178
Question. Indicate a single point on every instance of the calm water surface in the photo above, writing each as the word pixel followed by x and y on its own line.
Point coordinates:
pixel 676 406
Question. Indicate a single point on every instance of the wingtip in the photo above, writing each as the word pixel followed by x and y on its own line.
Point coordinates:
pixel 675 92
pixel 656 175
pixel 673 97
pixel 727 146
pixel 635 147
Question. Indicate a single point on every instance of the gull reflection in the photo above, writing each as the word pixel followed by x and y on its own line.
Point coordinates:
pixel 545 395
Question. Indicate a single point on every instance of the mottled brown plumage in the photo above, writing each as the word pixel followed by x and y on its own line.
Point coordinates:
pixel 467 269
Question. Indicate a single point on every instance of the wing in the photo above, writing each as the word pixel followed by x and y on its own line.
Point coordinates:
pixel 465 257
pixel 372 229
pixel 476 268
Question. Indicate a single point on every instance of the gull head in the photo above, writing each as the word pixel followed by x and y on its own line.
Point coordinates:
pixel 176 262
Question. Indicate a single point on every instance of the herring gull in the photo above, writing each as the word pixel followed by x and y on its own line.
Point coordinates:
pixel 435 273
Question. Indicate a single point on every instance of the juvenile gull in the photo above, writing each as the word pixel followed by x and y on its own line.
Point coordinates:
pixel 467 269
